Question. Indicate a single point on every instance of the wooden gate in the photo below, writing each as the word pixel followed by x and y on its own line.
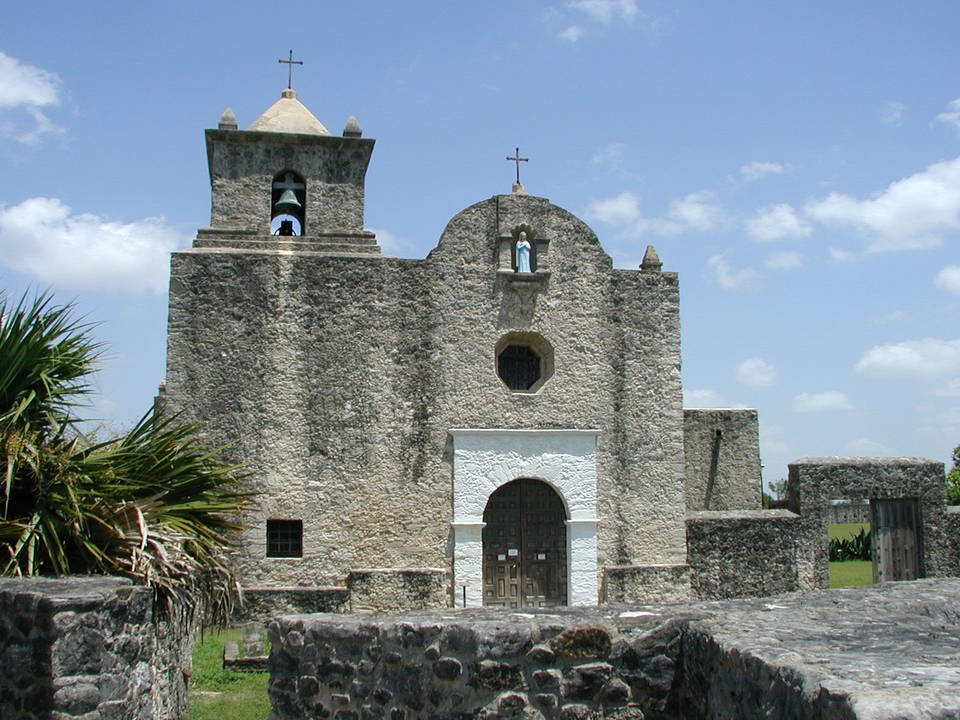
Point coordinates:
pixel 896 546
pixel 524 546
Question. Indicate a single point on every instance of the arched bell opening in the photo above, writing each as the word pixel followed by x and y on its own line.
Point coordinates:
pixel 288 203
pixel 524 546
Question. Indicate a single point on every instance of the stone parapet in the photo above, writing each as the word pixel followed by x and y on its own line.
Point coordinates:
pixel 745 554
pixel 389 590
pixel 364 242
pixel 824 654
pixel 646 583
pixel 264 604
pixel 88 647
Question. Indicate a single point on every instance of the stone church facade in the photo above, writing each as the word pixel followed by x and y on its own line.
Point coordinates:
pixel 446 431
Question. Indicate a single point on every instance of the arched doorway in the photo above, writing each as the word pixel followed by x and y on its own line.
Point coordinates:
pixel 524 546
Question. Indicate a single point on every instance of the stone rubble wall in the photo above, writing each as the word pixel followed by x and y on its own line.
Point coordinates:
pixel 87 648
pixel 744 554
pixel 952 525
pixel 264 604
pixel 849 513
pixel 824 655
pixel 378 590
pixel 468 666
pixel 734 482
pixel 813 483
pixel 646 583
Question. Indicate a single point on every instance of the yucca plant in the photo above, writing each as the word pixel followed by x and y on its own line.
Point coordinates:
pixel 154 504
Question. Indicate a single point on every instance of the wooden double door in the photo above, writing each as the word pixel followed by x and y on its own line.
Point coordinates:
pixel 524 546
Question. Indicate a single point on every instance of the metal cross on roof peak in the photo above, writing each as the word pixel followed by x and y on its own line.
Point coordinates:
pixel 517 159
pixel 290 63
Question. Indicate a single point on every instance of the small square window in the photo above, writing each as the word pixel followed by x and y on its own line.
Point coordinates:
pixel 284 538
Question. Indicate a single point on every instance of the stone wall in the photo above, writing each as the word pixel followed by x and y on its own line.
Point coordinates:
pixel 721 459
pixel 953 534
pixel 744 554
pixel 847 512
pixel 86 647
pixel 646 583
pixel 824 655
pixel 337 381
pixel 812 483
pixel 264 604
pixel 394 590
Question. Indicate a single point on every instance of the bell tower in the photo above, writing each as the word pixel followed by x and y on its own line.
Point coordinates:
pixel 286 181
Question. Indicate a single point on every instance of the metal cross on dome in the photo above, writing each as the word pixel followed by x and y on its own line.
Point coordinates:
pixel 517 159
pixel 290 63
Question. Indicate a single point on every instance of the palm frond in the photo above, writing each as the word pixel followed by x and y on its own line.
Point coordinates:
pixel 154 504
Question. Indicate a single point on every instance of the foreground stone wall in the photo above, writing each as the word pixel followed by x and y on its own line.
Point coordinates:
pixel 721 459
pixel 88 648
pixel 826 655
pixel 745 554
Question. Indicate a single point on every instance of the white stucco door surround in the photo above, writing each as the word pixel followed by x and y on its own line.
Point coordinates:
pixel 485 459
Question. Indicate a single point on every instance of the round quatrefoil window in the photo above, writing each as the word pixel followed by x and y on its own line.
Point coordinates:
pixel 524 361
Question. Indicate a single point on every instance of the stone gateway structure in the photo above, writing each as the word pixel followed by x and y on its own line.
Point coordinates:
pixel 459 430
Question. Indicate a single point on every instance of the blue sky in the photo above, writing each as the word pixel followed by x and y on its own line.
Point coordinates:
pixel 797 163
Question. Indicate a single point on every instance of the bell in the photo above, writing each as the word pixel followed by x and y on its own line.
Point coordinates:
pixel 288 202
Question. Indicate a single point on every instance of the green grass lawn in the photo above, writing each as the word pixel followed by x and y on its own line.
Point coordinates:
pixel 218 694
pixel 850 573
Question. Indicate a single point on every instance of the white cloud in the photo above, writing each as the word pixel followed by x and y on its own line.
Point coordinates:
pixel 952 115
pixel 867 447
pixel 43 238
pixel 606 11
pixel 393 244
pixel 777 222
pixel 830 401
pixel 609 154
pixel 910 214
pixel 756 372
pixel 26 88
pixel 622 209
pixel 707 399
pixel 841 255
pixel 919 360
pixel 571 33
pixel 892 114
pixel 773 441
pixel 757 170
pixel 950 390
pixel 696 211
pixel 949 279
pixel 729 279
pixel 787 260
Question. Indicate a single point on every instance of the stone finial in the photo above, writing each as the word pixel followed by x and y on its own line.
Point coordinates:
pixel 651 261
pixel 519 189
pixel 352 128
pixel 228 121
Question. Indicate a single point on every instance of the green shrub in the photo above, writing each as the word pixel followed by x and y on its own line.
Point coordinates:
pixel 851 548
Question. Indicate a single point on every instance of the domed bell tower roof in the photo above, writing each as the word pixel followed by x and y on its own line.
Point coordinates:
pixel 289 115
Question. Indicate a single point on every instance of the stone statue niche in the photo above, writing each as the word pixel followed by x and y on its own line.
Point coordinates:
pixel 523 255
